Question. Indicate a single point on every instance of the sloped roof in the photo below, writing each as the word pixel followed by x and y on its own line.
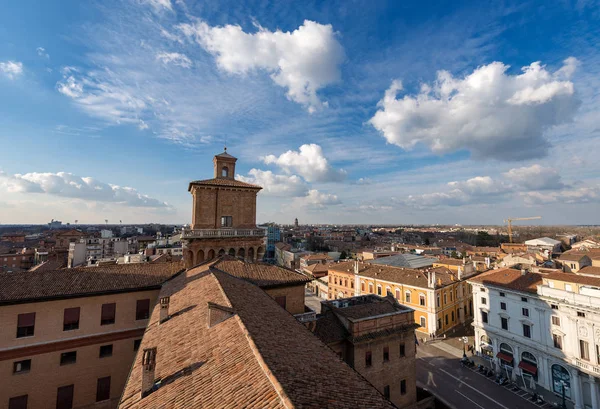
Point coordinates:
pixel 511 279
pixel 224 183
pixel 576 278
pixel 260 274
pixel 29 286
pixel 260 357
pixel 225 155
pixel 542 241
pixel 573 256
pixel 405 260
pixel 49 265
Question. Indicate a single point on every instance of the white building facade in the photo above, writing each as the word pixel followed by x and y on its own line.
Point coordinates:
pixel 533 332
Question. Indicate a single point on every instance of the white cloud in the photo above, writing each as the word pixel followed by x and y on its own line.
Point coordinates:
pixel 67 185
pixel 479 185
pixel 319 200
pixel 587 194
pixel 489 112
pixel 41 51
pixel 276 185
pixel 159 5
pixel 309 162
pixel 302 61
pixel 535 177
pixel 178 59
pixel 11 69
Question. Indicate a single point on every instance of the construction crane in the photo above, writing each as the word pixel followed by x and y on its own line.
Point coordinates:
pixel 510 220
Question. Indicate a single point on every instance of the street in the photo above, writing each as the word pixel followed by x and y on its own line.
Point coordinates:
pixel 442 374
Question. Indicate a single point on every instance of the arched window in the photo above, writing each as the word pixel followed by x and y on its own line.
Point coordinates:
pixel 225 171
pixel 388 291
pixel 486 347
pixel 561 378
pixel 378 289
pixel 506 355
pixel 529 365
pixel 370 288
pixel 362 286
pixel 397 294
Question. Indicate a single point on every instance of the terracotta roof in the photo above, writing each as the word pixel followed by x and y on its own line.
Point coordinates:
pixel 165 257
pixel 408 276
pixel 260 274
pixel 223 182
pixel 573 256
pixel 511 279
pixel 329 329
pixel 43 285
pixel 258 357
pixel 373 308
pixel 450 262
pixel 317 257
pixel 53 264
pixel 590 270
pixel 225 155
pixel 574 278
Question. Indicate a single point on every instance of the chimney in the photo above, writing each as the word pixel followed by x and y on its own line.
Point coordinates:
pixel 164 308
pixel 148 367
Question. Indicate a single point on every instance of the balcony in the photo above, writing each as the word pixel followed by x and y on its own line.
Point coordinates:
pixel 218 233
pixel 587 366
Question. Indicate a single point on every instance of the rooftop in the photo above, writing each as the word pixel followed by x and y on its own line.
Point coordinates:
pixel 405 260
pixel 260 274
pixel 256 356
pixel 575 278
pixel 511 279
pixel 223 183
pixel 542 241
pixel 366 306
pixel 451 262
pixel 45 285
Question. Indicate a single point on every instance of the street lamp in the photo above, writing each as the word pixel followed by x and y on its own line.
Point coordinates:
pixel 465 340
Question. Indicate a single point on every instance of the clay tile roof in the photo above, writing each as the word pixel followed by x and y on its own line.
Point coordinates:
pixel 573 256
pixel 260 356
pixel 71 232
pixel 225 155
pixel 53 264
pixel 370 309
pixel 260 274
pixel 43 285
pixel 575 278
pixel 450 262
pixel 317 257
pixel 511 279
pixel 590 270
pixel 223 182
pixel 329 329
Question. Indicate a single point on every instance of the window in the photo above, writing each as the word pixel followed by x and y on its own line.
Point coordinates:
pixel 484 317
pixel 483 301
pixel 103 389
pixel 581 314
pixel 107 315
pixel 524 299
pixel 551 284
pixel 502 294
pixel 18 402
pixel 481 289
pixel 597 353
pixel 64 397
pixel 386 354
pixel 352 284
pixel 451 295
pixel 136 344
pixel 555 320
pixel 370 288
pixel 335 280
pixel 438 300
pixel 71 319
pixel 106 351
pixel 67 358
pixel 22 366
pixel 142 309
pixel 378 290
pixel 445 298
pixel 568 287
pixel 423 322
pixel 584 352
pixel 346 282
pixel 439 323
pixel 402 350
pixel 403 387
pixel 362 287
pixel 526 331
pixel 446 319
pixel 226 221
pixel 525 312
pixel 561 379
pixel 503 306
pixel 397 294
pixel 386 391
pixel 554 306
pixel 388 291
pixel 452 316
pixel 557 339
pixel 407 297
pixel 422 300
pixel 368 360
pixel 504 323
pixel 225 171
pixel 25 325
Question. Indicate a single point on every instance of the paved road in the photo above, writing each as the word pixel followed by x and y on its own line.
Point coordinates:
pixel 463 388
pixel 313 301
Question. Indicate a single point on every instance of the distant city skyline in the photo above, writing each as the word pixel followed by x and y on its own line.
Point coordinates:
pixel 374 113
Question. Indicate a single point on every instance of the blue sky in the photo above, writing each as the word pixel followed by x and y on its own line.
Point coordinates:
pixel 346 112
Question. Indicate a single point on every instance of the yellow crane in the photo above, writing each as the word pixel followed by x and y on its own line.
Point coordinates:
pixel 510 220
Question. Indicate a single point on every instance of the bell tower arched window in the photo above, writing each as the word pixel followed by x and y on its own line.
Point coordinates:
pixel 225 171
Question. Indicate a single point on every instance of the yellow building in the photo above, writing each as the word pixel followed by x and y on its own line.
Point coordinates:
pixel 440 297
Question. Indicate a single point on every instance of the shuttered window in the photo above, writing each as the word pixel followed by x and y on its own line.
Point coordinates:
pixel 108 314
pixel 71 319
pixel 103 389
pixel 25 325
pixel 142 310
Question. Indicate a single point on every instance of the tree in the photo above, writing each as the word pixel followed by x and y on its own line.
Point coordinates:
pixel 343 255
pixel 453 254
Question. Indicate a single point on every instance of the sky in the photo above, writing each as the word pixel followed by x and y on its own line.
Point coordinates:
pixel 379 112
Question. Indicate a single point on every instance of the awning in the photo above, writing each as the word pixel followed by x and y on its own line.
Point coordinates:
pixel 505 357
pixel 527 367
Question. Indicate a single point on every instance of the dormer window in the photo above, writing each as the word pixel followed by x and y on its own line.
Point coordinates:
pixel 225 172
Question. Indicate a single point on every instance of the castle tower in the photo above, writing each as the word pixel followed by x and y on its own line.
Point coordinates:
pixel 223 217
pixel 296 222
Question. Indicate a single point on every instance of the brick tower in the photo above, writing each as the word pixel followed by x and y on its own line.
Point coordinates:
pixel 223 217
